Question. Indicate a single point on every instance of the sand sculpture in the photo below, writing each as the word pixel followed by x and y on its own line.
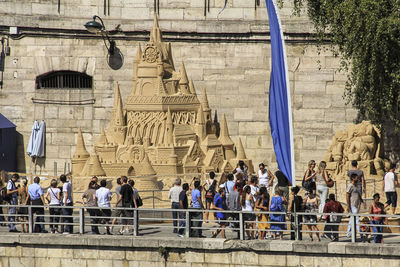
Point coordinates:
pixel 362 142
pixel 163 128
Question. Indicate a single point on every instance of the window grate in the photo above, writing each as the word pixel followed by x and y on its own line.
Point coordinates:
pixel 64 80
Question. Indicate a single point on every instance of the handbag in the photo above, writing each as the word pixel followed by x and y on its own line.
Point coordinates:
pixel 330 183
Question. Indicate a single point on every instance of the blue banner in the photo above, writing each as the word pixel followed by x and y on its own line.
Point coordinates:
pixel 280 112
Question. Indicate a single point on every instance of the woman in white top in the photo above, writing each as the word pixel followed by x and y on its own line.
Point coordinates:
pixel 53 198
pixel 248 205
pixel 264 176
pixel 322 178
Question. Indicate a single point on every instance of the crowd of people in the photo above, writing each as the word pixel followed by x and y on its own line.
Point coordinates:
pixel 97 200
pixel 211 200
pixel 239 191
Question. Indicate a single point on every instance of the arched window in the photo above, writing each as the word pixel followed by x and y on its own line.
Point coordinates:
pixel 64 79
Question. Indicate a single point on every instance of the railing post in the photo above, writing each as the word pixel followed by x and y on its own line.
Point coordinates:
pixel 187 224
pixel 135 222
pixel 353 228
pixel 30 219
pixel 81 220
pixel 241 226
pixel 296 226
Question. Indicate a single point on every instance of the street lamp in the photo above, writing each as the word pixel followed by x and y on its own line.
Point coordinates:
pixel 98 28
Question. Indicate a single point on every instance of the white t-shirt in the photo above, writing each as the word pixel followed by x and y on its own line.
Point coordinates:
pixel 263 178
pixel 389 178
pixel 53 193
pixel 68 188
pixel 103 196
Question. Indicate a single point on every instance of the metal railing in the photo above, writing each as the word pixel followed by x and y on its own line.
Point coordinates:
pixel 189 221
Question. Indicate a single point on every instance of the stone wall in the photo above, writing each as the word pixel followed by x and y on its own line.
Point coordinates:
pixel 31 251
pixel 230 57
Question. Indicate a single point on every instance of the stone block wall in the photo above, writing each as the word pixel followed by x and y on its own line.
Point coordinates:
pixel 230 57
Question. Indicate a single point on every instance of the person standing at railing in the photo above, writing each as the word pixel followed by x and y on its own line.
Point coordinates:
pixel 354 200
pixel 67 202
pixel 264 176
pixel 95 180
pixel 278 221
pixel 311 207
pixel 173 195
pixel 117 212
pixel 247 203
pixel 390 182
pixel 12 192
pixel 361 185
pixel 128 202
pixel 209 198
pixel 233 203
pixel 332 206
pixel 53 197
pixel 89 200
pixel 283 184
pixel 262 204
pixel 23 211
pixel 197 204
pixel 35 194
pixel 103 197
pixel 183 204
pixel 219 204
pixel 377 208
pixel 322 187
pixel 296 205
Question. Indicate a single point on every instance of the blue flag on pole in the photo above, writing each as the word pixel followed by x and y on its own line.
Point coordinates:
pixel 280 111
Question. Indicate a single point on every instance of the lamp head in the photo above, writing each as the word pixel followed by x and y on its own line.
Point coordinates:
pixel 93 26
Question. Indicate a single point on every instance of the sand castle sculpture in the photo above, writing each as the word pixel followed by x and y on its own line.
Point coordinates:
pixel 362 142
pixel 163 128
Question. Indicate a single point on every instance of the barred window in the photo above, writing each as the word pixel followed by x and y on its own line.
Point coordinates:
pixel 64 80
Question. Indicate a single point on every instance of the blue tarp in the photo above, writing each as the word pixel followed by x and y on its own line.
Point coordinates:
pixel 8 145
pixel 5 123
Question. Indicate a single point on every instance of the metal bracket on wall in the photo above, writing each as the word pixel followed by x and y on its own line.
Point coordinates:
pixel 157 7
pixel 256 4
pixel 106 7
pixel 206 7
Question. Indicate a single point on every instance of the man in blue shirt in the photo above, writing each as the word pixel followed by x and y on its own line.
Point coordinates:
pixel 12 190
pixel 219 205
pixel 198 216
pixel 35 194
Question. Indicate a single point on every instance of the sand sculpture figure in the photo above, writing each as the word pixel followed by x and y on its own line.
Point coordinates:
pixel 163 128
pixel 362 142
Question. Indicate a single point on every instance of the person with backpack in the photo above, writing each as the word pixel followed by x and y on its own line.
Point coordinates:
pixel 331 229
pixel 210 194
pixel 12 198
pixel 128 202
pixel 278 220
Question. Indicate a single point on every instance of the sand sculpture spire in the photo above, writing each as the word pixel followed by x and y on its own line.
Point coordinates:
pixel 205 105
pixel 225 139
pixel 240 150
pixel 102 139
pixel 184 82
pixel 191 88
pixel 117 130
pixel 81 155
pixel 93 167
pixel 155 34
pixel 136 61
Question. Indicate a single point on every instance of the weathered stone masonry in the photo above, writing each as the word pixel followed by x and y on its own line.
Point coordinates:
pixel 229 56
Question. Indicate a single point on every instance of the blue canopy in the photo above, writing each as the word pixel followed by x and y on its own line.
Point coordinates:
pixel 5 123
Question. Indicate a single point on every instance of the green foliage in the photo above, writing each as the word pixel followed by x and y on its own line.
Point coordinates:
pixel 366 33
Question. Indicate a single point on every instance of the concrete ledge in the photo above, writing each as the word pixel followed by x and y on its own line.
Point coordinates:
pixel 206 244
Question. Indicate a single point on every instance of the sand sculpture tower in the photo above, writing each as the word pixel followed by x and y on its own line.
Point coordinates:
pixel 163 128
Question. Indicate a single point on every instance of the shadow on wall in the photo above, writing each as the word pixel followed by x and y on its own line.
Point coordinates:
pixel 21 167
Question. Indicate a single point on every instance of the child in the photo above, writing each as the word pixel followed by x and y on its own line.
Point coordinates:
pixel 365 230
